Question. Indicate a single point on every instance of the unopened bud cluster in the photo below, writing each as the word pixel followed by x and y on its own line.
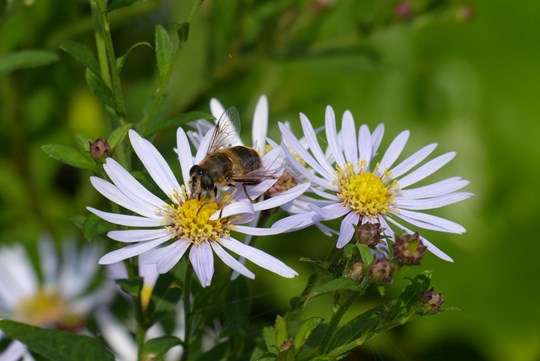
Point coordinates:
pixel 409 249
pixel 432 302
pixel 99 149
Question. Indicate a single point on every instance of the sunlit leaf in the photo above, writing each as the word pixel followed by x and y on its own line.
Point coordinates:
pixel 156 348
pixel 164 51
pixel 118 135
pixel 305 331
pixel 282 334
pixel 26 59
pixel 82 54
pixel 57 345
pixel 70 156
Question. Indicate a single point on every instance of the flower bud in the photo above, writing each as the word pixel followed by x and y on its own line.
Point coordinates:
pixel 356 271
pixel 369 234
pixel 99 149
pixel 432 302
pixel 381 271
pixel 403 10
pixel 409 249
pixel 464 13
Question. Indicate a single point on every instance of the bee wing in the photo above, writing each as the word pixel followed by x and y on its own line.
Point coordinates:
pixel 226 132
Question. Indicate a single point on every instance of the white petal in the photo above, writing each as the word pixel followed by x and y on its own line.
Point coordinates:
pixel 311 139
pixel 321 193
pixel 139 235
pixel 290 140
pixel 131 251
pixel 281 198
pixel 156 165
pixel 348 134
pixel 430 246
pixel 203 148
pixel 116 335
pixel 298 221
pixel 332 137
pixel 254 231
pixel 216 108
pixel 129 185
pixel 307 174
pixel 431 203
pixel 169 260
pixel 440 188
pixel 14 351
pixel 48 260
pixel 127 220
pixel 394 151
pixel 231 261
pixel 184 153
pixel 346 230
pixel 258 257
pixel 260 125
pixel 111 192
pixel 413 160
pixel 202 260
pixel 364 144
pixel 430 221
pixel 426 170
pixel 235 208
pixel 155 255
pixel 330 212
pixel 376 138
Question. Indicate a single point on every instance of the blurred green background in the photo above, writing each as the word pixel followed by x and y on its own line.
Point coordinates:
pixel 465 75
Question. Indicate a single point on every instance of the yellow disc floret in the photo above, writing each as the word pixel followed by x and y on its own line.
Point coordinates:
pixel 42 309
pixel 365 192
pixel 190 219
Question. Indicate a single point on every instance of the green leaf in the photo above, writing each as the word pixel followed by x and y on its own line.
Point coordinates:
pixel 132 285
pixel 176 122
pixel 121 61
pixel 281 331
pixel 57 345
pixel 100 89
pixel 305 331
pixel 83 143
pixel 286 355
pixel 269 336
pixel 117 4
pixel 118 135
pixel 165 296
pixel 164 51
pixel 156 348
pixel 90 227
pixel 366 254
pixel 82 54
pixel 26 59
pixel 70 156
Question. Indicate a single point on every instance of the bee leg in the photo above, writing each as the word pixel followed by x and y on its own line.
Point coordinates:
pixel 246 192
pixel 215 192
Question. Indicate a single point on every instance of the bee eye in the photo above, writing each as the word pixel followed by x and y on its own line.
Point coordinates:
pixel 207 183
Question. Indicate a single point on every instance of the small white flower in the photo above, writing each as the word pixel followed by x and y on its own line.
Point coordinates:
pixel 353 186
pixel 63 298
pixel 166 230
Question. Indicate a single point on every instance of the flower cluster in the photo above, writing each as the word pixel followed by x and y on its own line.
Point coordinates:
pixel 347 180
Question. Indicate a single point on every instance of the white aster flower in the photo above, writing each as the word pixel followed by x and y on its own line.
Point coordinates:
pixel 353 186
pixel 167 229
pixel 62 298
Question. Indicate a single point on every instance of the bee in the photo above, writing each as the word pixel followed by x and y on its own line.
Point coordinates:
pixel 226 162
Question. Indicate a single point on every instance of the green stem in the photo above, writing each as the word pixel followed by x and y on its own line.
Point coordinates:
pixel 133 271
pixel 160 92
pixel 187 311
pixel 334 322
pixel 106 55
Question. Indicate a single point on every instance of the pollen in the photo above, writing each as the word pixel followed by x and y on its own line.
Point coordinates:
pixel 364 192
pixel 189 218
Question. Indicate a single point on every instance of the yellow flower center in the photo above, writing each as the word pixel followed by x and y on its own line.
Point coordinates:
pixel 190 219
pixel 43 309
pixel 364 192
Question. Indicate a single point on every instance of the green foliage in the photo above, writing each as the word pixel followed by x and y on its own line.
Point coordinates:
pixel 156 348
pixel 70 156
pixel 56 345
pixel 26 59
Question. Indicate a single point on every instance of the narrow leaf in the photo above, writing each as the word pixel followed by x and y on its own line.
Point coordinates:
pixel 57 345
pixel 365 254
pixel 70 156
pixel 26 59
pixel 156 348
pixel 117 4
pixel 131 286
pixel 118 135
pixel 343 283
pixel 286 355
pixel 183 33
pixel 82 54
pixel 281 331
pixel 305 331
pixel 100 89
pixel 269 336
pixel 164 51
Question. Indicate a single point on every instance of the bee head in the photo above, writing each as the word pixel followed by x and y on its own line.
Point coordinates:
pixel 199 180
